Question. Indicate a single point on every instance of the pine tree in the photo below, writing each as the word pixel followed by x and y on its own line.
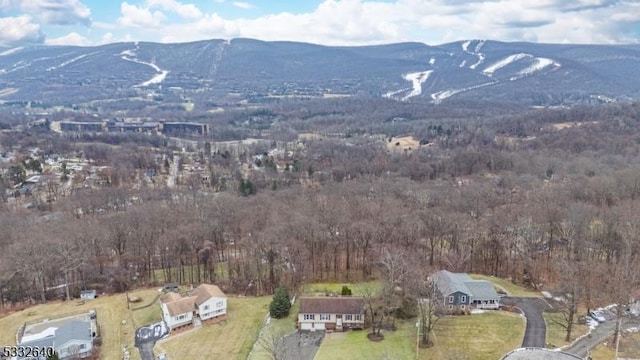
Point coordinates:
pixel 280 305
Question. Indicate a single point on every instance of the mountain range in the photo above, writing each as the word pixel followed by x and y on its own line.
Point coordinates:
pixel 247 70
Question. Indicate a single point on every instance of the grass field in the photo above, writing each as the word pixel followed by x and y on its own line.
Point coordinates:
pixel 511 288
pixel 222 272
pixel 556 333
pixel 354 345
pixel 489 335
pixel 276 328
pixel 147 312
pixel 229 339
pixel 322 289
pixel 111 312
pixel 629 348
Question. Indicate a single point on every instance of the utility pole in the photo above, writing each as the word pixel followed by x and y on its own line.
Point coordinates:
pixel 617 336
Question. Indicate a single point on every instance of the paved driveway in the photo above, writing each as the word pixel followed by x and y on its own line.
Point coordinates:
pixel 301 345
pixel 146 338
pixel 536 331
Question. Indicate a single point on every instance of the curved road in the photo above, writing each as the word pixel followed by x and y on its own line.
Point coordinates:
pixel 536 331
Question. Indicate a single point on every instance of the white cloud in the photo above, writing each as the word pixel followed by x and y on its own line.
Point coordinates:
pixel 20 29
pixel 351 22
pixel 139 17
pixel 58 12
pixel 242 5
pixel 72 38
pixel 185 11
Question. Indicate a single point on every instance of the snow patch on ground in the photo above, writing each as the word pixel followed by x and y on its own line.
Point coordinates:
pixel 130 55
pixel 441 95
pixel 477 311
pixel 70 61
pixel 463 63
pixel 155 80
pixel 391 94
pixel 476 52
pixel 540 64
pixel 504 62
pixel 432 61
pixel 11 51
pixel 417 78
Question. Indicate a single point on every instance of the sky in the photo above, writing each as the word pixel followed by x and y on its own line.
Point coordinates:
pixel 328 22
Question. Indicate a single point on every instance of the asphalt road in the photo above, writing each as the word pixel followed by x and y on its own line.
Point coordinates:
pixel 536 330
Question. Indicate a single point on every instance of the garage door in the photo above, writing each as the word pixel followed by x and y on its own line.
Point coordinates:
pixel 305 326
pixel 319 326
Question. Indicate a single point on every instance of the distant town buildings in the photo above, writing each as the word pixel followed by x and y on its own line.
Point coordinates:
pixel 135 127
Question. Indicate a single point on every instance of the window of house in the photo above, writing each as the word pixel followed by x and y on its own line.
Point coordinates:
pixel 83 346
pixel 451 299
pixel 309 316
pixel 357 317
pixel 461 307
pixel 325 317
pixel 181 317
pixel 206 307
pixel 220 304
pixel 450 307
pixel 463 299
pixel 348 317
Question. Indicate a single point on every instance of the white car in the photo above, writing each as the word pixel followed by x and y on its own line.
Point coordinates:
pixel 597 315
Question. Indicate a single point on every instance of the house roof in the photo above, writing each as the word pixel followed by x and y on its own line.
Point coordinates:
pixel 331 305
pixel 73 330
pixel 205 292
pixel 482 290
pixel 87 292
pixel 182 306
pixel 449 283
pixel 170 297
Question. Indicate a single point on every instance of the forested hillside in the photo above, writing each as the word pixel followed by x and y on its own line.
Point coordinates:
pixel 546 197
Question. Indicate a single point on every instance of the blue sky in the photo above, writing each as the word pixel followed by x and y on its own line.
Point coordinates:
pixel 331 22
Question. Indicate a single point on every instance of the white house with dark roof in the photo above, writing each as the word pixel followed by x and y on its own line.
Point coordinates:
pixel 205 302
pixel 210 301
pixel 459 292
pixel 331 313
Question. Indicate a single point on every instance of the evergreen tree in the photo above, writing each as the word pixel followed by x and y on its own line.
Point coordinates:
pixel 280 305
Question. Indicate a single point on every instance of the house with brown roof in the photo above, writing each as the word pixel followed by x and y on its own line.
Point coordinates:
pixel 203 303
pixel 210 301
pixel 331 313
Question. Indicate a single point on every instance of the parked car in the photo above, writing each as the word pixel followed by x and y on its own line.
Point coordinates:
pixel 591 322
pixel 597 315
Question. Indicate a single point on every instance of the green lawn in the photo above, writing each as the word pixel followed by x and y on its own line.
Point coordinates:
pixel 114 318
pixel 556 333
pixel 229 339
pixel 629 348
pixel 489 335
pixel 511 288
pixel 354 345
pixel 322 289
pixel 275 330
pixel 147 311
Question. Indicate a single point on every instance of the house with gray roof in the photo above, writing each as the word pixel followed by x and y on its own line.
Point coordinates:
pixel 71 340
pixel 459 292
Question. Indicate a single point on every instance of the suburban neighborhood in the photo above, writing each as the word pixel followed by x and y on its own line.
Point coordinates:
pixel 185 311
